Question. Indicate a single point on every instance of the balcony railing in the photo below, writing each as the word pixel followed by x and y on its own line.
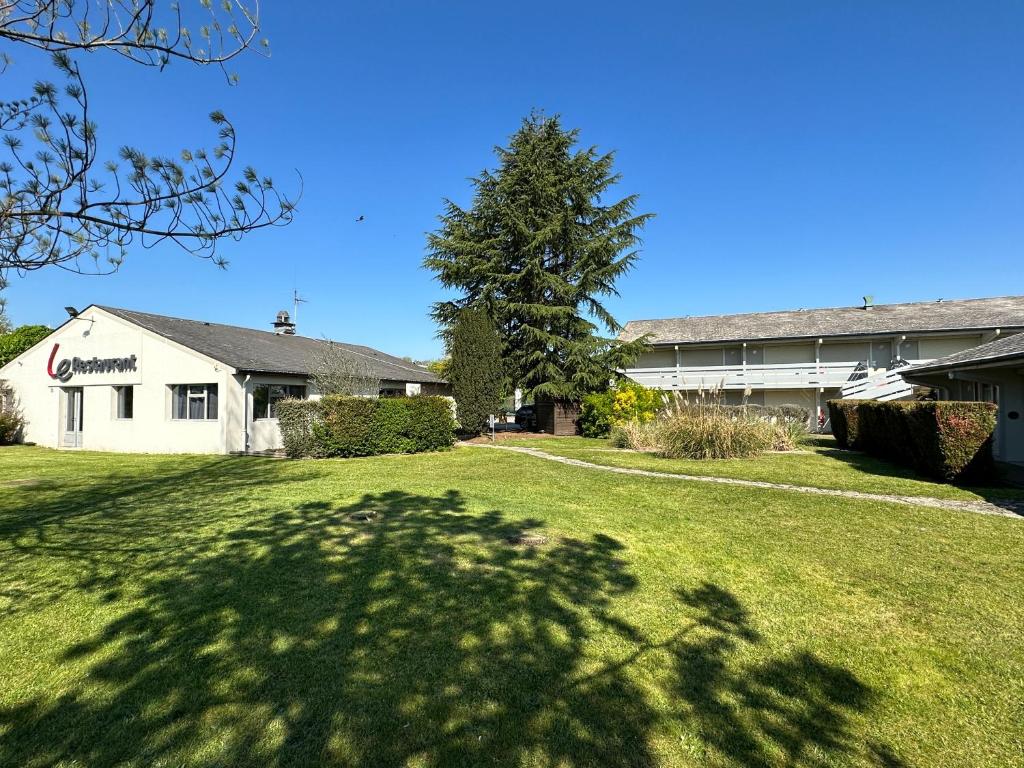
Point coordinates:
pixel 880 385
pixel 782 376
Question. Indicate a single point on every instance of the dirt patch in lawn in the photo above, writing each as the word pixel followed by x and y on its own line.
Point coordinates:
pixel 527 540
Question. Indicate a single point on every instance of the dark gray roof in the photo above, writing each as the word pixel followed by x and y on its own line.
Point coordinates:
pixel 255 351
pixel 953 315
pixel 1008 348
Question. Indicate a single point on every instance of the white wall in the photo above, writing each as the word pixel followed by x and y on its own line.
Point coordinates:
pixel 160 363
pixel 782 354
pixel 844 351
pixel 801 397
pixel 265 434
pixel 700 357
pixel 657 358
pixel 1010 437
pixel 930 348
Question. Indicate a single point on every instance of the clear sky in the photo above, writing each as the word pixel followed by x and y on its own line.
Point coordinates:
pixel 797 154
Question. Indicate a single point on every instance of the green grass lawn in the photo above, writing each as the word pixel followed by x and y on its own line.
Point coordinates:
pixel 479 607
pixel 818 463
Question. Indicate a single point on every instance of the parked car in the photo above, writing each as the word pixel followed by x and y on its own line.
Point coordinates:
pixel 526 417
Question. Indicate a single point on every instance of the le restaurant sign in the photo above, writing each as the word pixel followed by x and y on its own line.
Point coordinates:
pixel 68 367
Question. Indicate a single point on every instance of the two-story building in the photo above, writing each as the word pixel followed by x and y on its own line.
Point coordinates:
pixel 114 379
pixel 807 356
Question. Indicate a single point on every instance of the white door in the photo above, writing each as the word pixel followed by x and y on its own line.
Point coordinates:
pixel 72 417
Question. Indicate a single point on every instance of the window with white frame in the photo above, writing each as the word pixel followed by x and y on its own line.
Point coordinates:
pixel 194 402
pixel 125 405
pixel 265 398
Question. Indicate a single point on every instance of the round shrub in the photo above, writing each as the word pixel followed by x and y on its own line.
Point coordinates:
pixel 626 402
pixel 11 425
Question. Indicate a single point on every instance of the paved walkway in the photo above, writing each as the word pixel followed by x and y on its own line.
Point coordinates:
pixel 1003 507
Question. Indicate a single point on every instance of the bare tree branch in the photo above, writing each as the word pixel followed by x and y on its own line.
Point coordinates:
pixel 338 372
pixel 58 205
pixel 135 29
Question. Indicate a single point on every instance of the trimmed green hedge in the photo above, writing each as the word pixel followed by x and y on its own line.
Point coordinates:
pixel 842 415
pixel 339 425
pixel 944 439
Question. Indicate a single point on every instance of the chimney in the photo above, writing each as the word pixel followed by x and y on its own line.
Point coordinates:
pixel 869 302
pixel 284 326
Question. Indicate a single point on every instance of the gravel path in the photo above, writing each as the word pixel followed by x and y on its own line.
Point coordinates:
pixel 1002 507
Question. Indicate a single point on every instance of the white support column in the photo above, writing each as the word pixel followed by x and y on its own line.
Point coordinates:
pixel 817 390
pixel 679 361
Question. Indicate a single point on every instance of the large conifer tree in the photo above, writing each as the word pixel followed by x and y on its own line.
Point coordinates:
pixel 539 250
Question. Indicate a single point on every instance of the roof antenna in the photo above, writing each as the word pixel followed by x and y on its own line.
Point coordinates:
pixel 296 300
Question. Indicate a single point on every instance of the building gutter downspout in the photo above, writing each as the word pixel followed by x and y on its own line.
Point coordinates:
pixel 245 413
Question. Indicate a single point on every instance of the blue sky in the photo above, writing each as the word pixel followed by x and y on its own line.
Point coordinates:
pixel 796 154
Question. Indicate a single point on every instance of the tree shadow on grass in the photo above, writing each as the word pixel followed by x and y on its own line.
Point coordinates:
pixel 1001 494
pixel 407 630
pixel 397 630
pixel 108 523
pixel 794 710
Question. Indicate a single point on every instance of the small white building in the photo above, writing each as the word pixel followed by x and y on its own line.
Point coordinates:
pixel 806 357
pixel 118 380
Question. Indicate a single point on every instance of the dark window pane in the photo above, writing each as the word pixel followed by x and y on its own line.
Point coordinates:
pixel 125 402
pixel 211 401
pixel 179 405
pixel 260 401
pixel 276 393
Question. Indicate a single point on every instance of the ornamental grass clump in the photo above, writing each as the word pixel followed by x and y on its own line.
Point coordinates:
pixel 637 435
pixel 706 429
pixel 708 432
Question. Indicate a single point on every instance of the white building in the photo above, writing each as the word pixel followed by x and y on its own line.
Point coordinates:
pixel 806 357
pixel 994 372
pixel 118 380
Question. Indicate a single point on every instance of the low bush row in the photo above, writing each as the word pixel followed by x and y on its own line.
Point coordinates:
pixel 946 440
pixel 338 425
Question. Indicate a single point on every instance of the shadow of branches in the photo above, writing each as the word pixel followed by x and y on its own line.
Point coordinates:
pixel 794 710
pixel 400 628
pixel 407 630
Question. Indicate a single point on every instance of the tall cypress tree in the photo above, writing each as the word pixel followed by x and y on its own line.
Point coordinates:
pixel 475 369
pixel 539 249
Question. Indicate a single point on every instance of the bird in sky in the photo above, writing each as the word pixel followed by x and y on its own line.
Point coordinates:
pixel 361 218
